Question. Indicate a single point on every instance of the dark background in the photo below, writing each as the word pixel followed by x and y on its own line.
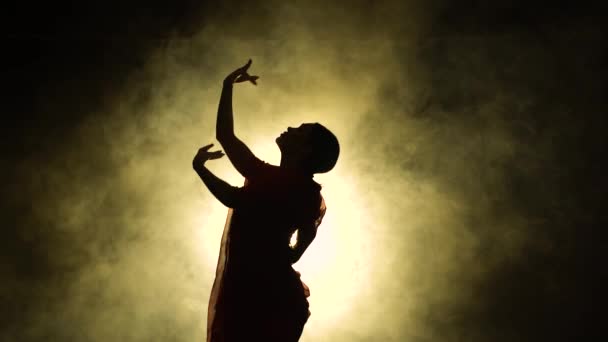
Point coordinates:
pixel 60 60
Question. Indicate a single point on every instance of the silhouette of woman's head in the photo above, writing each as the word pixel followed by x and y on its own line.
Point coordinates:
pixel 310 147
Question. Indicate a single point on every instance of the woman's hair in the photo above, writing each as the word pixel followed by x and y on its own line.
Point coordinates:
pixel 325 149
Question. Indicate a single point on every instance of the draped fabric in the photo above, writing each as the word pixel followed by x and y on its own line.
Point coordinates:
pixel 256 294
pixel 217 282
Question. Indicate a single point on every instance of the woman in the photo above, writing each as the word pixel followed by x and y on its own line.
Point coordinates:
pixel 257 295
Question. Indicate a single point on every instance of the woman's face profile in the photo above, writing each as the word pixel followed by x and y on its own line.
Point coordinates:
pixel 295 140
pixel 295 136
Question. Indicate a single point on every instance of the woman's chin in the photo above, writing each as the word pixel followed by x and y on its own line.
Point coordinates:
pixel 280 143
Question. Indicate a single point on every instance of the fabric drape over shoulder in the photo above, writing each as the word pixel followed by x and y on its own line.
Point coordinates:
pixel 256 294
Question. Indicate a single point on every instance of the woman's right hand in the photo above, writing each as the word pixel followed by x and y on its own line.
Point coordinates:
pixel 203 155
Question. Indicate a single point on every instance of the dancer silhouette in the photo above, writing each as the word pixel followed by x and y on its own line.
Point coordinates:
pixel 257 295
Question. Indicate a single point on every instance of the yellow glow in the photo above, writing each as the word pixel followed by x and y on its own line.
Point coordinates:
pixel 327 265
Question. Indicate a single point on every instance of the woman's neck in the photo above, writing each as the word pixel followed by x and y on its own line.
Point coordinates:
pixel 293 166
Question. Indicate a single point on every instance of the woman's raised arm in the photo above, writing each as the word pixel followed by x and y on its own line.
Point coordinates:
pixel 239 154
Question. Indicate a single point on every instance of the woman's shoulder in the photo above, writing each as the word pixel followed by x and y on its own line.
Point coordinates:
pixel 285 181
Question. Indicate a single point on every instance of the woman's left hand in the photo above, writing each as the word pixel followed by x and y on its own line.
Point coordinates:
pixel 203 155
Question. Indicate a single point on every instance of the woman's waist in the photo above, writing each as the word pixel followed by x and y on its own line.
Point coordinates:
pixel 258 260
pixel 258 246
pixel 263 275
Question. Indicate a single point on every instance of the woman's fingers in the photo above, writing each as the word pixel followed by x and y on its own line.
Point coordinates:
pixel 246 66
pixel 246 77
pixel 242 70
pixel 206 147
pixel 215 154
pixel 241 75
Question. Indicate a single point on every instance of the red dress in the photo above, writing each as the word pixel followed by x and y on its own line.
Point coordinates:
pixel 257 295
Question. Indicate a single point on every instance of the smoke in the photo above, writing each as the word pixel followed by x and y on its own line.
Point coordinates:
pixel 443 134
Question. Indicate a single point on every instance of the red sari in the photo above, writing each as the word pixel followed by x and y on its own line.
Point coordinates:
pixel 257 295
